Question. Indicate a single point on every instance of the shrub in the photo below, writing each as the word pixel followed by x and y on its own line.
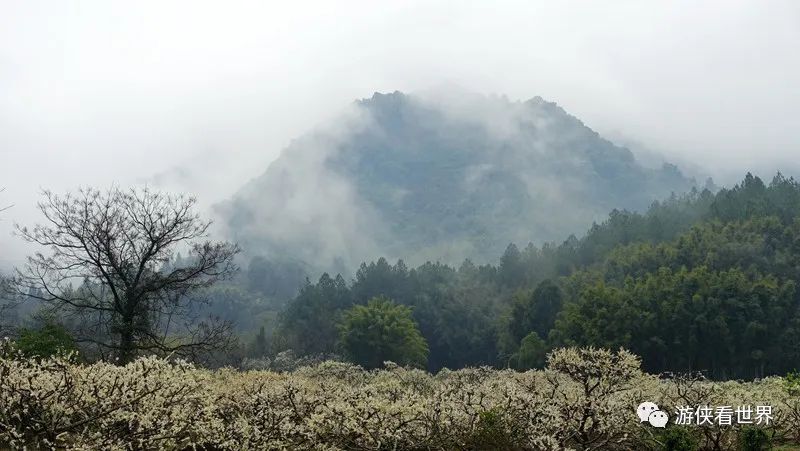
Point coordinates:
pixel 492 432
pixel 753 439
pixel 532 352
pixel 792 381
pixel 49 340
pixel 585 399
pixel 678 439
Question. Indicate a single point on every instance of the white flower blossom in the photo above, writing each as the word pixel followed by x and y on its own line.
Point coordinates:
pixel 584 399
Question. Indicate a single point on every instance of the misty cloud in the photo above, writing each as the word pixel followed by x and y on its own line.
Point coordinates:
pixel 300 210
pixel 437 176
pixel 200 97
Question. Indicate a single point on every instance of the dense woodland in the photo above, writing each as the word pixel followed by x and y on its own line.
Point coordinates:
pixel 700 282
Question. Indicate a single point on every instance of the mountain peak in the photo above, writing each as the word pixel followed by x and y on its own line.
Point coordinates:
pixel 440 175
pixel 381 98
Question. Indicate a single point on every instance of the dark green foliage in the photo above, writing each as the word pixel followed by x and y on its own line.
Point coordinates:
pixel 675 438
pixel 46 341
pixel 382 279
pixel 535 311
pixel 726 322
pixel 792 382
pixel 492 432
pixel 700 282
pixel 381 331
pixel 753 439
pixel 259 346
pixel 752 198
pixel 512 269
pixel 308 326
pixel 532 352
pixel 453 309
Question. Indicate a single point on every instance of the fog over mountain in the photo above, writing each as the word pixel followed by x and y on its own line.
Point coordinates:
pixel 199 97
pixel 439 175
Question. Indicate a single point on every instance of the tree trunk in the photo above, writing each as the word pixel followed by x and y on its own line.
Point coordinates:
pixel 126 351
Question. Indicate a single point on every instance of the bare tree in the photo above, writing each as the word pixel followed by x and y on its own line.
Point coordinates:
pixel 117 247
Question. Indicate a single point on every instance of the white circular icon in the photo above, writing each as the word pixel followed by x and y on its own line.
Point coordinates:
pixel 658 419
pixel 645 409
pixel 650 413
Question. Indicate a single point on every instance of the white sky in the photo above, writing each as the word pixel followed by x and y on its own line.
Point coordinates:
pixel 201 96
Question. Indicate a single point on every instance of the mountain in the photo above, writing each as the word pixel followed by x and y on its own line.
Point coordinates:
pixel 437 176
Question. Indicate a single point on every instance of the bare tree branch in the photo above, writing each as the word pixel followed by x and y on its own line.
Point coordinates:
pixel 117 247
pixel 2 209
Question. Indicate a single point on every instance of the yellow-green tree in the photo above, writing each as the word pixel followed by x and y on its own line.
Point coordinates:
pixel 382 331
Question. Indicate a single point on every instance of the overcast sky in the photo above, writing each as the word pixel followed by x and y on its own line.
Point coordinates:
pixel 201 96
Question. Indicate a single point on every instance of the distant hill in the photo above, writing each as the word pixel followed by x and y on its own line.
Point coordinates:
pixel 438 177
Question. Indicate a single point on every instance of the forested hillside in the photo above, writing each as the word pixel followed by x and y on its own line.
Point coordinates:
pixel 699 282
pixel 439 177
